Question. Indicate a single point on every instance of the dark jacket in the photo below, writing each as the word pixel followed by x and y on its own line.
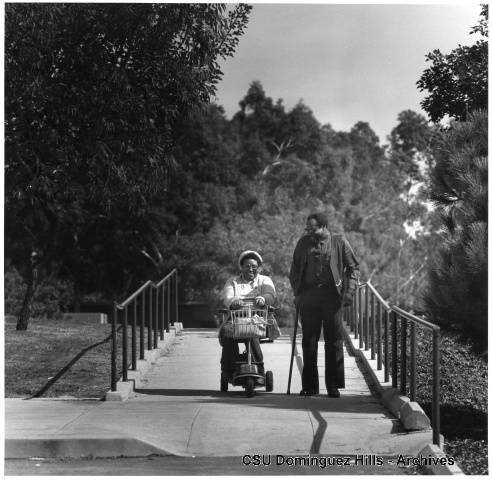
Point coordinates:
pixel 343 265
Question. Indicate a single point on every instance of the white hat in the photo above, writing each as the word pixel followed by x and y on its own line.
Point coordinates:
pixel 249 252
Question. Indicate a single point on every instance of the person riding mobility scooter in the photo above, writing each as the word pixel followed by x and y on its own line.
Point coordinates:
pixel 248 319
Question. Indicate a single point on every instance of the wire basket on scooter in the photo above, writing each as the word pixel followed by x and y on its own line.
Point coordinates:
pixel 249 322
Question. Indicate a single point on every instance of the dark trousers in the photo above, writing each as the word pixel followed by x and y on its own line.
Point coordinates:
pixel 322 307
pixel 231 354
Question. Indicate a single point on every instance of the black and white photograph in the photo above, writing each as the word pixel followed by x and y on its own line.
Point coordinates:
pixel 245 239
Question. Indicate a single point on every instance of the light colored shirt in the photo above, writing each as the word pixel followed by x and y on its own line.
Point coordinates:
pixel 237 288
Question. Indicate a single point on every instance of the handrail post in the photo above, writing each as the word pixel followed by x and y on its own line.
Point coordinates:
pixel 134 336
pixel 155 318
pixel 394 349
pixel 379 336
pixel 372 327
pixel 360 310
pixel 412 383
pixel 403 356
pixel 114 347
pixel 149 321
pixel 355 317
pixel 172 301
pixel 386 346
pixel 436 389
pixel 367 318
pixel 168 304
pixel 176 298
pixel 125 347
pixel 142 327
pixel 161 317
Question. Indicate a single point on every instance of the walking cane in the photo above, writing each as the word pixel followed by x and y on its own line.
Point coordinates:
pixel 292 350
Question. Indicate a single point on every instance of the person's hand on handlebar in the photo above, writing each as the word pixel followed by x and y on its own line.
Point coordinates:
pixel 236 303
pixel 260 301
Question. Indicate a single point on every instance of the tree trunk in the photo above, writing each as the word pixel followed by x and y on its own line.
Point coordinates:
pixel 23 318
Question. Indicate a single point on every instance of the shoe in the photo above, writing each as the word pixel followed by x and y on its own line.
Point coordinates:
pixel 333 392
pixel 308 393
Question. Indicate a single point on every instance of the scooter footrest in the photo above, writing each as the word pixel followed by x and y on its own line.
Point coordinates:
pixel 245 369
pixel 240 379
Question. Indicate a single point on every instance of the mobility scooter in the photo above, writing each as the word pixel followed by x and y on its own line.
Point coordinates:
pixel 247 323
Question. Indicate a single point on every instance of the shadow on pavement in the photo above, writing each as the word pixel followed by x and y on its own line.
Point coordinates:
pixel 346 403
pixel 174 392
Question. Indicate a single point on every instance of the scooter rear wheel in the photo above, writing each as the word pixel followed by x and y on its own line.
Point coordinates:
pixel 224 382
pixel 269 381
pixel 250 386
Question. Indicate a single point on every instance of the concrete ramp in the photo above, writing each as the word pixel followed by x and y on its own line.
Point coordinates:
pixel 178 410
pixel 275 423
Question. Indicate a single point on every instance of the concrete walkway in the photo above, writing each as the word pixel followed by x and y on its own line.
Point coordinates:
pixel 178 409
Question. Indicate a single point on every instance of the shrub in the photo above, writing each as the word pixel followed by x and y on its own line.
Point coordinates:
pixel 51 297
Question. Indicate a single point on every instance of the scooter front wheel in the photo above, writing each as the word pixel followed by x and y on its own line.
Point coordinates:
pixel 224 382
pixel 250 386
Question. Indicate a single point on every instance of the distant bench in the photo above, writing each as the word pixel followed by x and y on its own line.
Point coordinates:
pixel 96 317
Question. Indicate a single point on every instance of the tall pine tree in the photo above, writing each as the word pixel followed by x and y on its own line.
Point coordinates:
pixel 458 289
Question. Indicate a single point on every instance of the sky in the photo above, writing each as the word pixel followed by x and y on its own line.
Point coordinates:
pixel 346 62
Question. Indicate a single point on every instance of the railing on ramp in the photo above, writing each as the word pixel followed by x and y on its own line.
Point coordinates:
pixel 382 329
pixel 152 308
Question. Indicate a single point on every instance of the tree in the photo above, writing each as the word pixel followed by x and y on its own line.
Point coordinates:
pixel 92 92
pixel 457 295
pixel 261 127
pixel 304 131
pixel 366 146
pixel 207 146
pixel 206 177
pixel 410 150
pixel 410 143
pixel 458 82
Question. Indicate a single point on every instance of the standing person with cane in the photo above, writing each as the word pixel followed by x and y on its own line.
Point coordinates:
pixel 324 275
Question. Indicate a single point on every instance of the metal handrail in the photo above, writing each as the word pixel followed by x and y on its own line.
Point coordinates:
pixel 377 295
pixel 365 317
pixel 133 295
pixel 157 313
pixel 414 318
pixel 170 274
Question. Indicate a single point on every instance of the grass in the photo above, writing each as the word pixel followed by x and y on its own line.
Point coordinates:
pixel 33 356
